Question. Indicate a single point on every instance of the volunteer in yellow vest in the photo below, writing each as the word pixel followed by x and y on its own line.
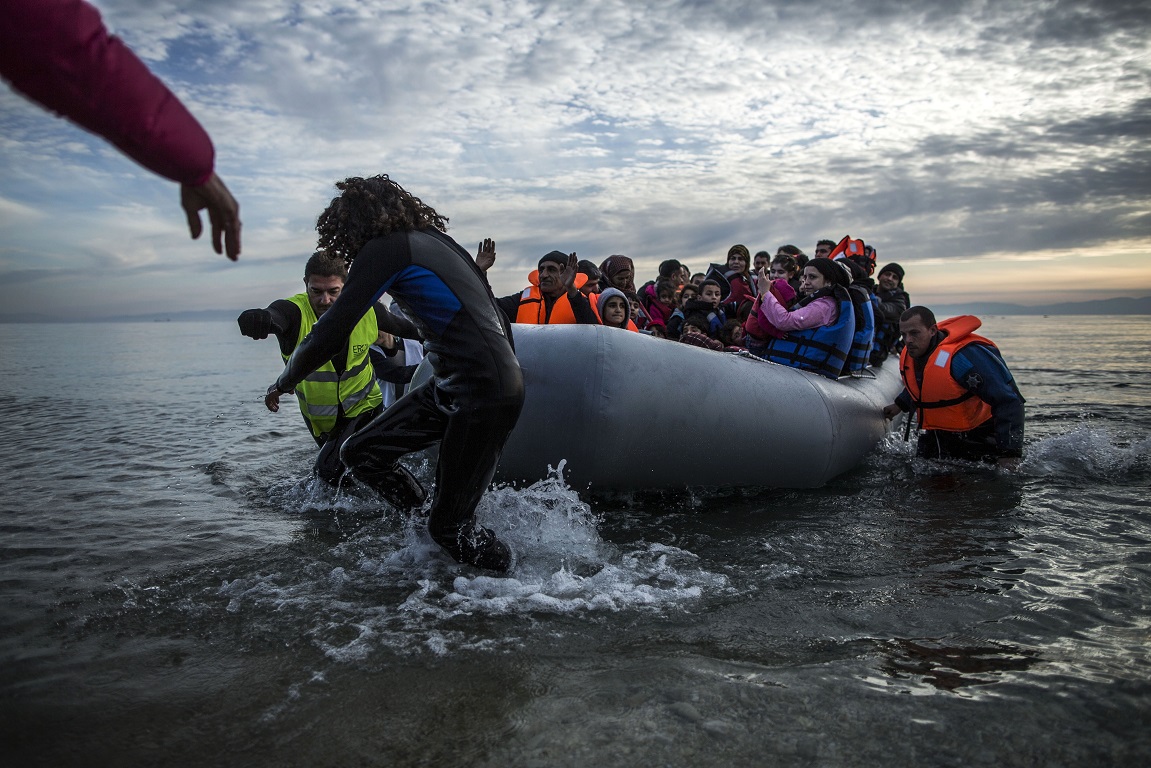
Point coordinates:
pixel 965 399
pixel 554 295
pixel 342 395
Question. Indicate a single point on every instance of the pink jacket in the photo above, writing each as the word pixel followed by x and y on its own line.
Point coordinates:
pixel 822 311
pixel 58 53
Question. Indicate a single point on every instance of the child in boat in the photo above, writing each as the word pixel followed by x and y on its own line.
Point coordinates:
pixel 659 300
pixel 613 309
pixel 694 333
pixel 758 326
pixel 638 315
pixel 784 266
pixel 688 292
pixel 731 335
pixel 710 298
pixel 738 278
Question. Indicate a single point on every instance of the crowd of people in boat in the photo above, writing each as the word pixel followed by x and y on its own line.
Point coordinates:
pixel 830 313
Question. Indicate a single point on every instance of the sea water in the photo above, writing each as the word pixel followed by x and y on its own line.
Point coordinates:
pixel 176 590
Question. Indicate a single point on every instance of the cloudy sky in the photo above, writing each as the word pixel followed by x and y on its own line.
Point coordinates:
pixel 997 149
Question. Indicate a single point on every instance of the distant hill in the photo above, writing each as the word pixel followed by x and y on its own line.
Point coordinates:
pixel 1120 306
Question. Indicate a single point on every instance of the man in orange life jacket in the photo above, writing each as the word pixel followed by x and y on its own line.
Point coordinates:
pixel 966 399
pixel 553 296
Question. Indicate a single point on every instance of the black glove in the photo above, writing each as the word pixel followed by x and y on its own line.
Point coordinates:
pixel 256 323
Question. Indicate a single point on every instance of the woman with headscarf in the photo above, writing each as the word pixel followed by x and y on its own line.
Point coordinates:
pixel 820 328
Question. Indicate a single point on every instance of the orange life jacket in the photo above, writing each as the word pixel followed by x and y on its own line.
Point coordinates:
pixel 533 310
pixel 593 299
pixel 944 404
pixel 847 247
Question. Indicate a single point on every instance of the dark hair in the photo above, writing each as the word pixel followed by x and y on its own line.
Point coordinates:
pixel 726 333
pixel 668 267
pixel 761 253
pixel 324 264
pixel 369 208
pixel 831 243
pixel 594 277
pixel 688 287
pixel 699 320
pixel 923 313
pixel 787 261
pixel 832 272
pixel 662 285
pixel 791 250
pixel 585 267
pixel 709 281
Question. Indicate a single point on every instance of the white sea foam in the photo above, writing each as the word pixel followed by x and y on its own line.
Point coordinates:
pixel 1088 452
pixel 395 588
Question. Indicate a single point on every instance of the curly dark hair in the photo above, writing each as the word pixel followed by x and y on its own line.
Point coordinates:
pixel 368 208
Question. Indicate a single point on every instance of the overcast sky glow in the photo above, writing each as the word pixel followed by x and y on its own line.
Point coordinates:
pixel 998 150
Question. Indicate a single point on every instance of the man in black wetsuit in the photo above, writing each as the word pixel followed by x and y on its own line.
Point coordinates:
pixel 343 395
pixel 396 244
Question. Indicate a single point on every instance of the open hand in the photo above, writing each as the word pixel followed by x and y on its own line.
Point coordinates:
pixel 223 214
pixel 486 254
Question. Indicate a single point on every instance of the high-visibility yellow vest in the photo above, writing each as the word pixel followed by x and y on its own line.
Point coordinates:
pixel 324 394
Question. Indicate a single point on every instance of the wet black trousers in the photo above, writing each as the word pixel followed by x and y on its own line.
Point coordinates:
pixel 471 438
pixel 974 445
pixel 329 468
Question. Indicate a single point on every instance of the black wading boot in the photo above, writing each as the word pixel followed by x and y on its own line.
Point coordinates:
pixel 396 485
pixel 472 544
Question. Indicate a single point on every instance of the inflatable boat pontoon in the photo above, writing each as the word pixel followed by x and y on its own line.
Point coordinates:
pixel 631 412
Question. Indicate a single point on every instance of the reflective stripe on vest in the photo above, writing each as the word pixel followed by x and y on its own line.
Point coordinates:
pixel 823 349
pixel 324 394
pixel 944 404
pixel 533 309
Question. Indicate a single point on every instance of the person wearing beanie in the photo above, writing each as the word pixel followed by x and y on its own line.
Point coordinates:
pixel 553 296
pixel 892 302
pixel 818 331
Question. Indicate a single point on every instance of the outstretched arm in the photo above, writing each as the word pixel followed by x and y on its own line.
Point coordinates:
pixel 59 54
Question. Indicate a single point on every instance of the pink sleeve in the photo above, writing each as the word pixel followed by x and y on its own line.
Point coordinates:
pixel 58 53
pixel 817 313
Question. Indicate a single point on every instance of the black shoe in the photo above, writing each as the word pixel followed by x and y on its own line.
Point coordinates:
pixel 396 485
pixel 475 545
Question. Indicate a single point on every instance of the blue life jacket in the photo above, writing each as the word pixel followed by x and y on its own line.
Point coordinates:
pixel 861 343
pixel 823 349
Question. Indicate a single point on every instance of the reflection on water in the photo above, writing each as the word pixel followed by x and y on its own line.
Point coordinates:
pixel 177 590
pixel 951 667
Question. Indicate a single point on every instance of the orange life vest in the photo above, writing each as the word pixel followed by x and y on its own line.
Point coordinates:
pixel 593 299
pixel 944 404
pixel 533 310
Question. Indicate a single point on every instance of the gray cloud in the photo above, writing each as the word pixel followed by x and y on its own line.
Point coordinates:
pixel 656 130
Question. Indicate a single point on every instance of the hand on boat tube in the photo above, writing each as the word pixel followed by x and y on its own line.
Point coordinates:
pixel 891 411
pixel 486 254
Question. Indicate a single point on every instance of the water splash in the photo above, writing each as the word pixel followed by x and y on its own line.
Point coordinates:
pixel 1086 452
pixel 387 585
